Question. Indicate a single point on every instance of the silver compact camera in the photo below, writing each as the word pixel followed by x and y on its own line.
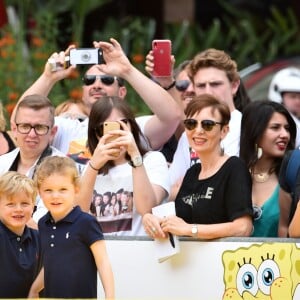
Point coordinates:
pixel 56 65
pixel 86 56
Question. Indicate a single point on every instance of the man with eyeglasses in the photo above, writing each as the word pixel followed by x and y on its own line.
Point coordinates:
pixel 34 129
pixel 107 80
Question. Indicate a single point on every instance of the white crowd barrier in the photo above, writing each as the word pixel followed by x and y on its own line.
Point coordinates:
pixel 246 268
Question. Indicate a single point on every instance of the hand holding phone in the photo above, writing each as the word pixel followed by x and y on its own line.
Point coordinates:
pixel 162 58
pixel 110 126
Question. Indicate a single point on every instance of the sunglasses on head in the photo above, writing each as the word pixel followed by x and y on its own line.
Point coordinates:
pixel 207 125
pixel 182 85
pixel 105 79
pixel 99 128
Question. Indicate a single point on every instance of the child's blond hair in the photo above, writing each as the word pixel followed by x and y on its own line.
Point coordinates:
pixel 12 183
pixel 56 165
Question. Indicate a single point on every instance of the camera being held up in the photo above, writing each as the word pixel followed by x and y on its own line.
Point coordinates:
pixel 86 56
pixel 56 65
pixel 79 56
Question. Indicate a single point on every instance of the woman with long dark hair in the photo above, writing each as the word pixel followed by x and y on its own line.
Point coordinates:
pixel 267 132
pixel 121 160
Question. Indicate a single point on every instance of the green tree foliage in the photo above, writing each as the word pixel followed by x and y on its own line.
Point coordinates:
pixel 24 49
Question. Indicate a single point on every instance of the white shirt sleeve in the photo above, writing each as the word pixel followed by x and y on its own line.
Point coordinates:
pixel 231 142
pixel 67 131
pixel 181 160
pixel 142 121
pixel 157 169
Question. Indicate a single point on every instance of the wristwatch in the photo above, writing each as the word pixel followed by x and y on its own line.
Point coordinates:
pixel 136 161
pixel 194 230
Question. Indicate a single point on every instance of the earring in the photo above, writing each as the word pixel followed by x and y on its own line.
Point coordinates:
pixel 222 148
pixel 259 151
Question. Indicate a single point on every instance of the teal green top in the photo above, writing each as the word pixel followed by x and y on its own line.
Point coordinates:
pixel 267 224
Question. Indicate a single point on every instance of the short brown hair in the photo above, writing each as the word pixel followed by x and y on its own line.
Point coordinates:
pixel 37 102
pixel 214 58
pixel 206 100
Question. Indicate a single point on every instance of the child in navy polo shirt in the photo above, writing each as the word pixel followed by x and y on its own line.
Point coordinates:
pixel 73 246
pixel 19 244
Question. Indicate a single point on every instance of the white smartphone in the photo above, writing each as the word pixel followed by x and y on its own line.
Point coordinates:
pixel 86 56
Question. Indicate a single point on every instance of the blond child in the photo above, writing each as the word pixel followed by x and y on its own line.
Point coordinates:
pixel 72 241
pixel 19 244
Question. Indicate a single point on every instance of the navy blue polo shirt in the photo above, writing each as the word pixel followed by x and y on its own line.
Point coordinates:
pixel 69 265
pixel 19 261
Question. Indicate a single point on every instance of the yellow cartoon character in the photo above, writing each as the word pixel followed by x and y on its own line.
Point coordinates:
pixel 270 271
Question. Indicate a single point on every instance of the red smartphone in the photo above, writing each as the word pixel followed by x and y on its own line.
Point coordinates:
pixel 162 58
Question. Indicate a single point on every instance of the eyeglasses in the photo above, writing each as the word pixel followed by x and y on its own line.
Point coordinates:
pixel 207 125
pixel 99 128
pixel 39 129
pixel 105 79
pixel 182 85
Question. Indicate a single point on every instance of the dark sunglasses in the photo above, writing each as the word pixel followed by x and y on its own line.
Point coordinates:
pixel 182 85
pixel 207 125
pixel 105 79
pixel 99 128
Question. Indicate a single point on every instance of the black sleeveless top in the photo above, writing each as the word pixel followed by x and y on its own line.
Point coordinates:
pixel 11 144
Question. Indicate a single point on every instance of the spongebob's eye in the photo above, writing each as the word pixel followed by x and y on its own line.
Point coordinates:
pixel 247 279
pixel 268 271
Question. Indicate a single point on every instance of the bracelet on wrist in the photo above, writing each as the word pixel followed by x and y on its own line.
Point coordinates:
pixel 170 86
pixel 93 167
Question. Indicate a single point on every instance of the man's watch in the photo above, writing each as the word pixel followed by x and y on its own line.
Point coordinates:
pixel 195 230
pixel 136 161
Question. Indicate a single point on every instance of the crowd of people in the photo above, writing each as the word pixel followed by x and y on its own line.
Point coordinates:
pixel 66 182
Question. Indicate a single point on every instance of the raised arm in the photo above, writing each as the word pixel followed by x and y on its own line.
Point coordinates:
pixel 167 114
pixel 44 84
pixel 147 194
pixel 165 82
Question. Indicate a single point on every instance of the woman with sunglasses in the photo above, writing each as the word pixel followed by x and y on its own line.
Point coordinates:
pixel 121 161
pixel 214 199
pixel 267 132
